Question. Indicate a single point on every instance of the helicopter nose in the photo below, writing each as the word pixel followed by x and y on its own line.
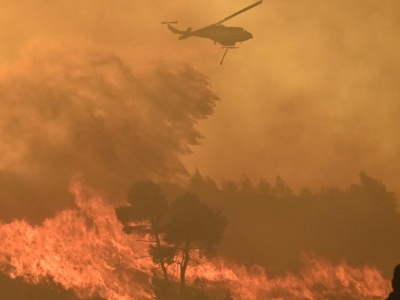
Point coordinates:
pixel 248 35
pixel 245 35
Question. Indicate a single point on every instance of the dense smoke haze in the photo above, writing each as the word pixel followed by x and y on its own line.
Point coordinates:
pixel 301 155
pixel 315 97
pixel 76 109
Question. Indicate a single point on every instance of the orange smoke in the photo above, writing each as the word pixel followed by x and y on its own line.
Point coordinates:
pixel 85 250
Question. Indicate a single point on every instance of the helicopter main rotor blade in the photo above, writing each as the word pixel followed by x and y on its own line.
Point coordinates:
pixel 240 11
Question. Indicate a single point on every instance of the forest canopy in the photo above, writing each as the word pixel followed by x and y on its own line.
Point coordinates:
pixel 272 226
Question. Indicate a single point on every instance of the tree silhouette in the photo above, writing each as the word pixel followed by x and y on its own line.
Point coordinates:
pixel 192 225
pixel 148 204
pixel 178 229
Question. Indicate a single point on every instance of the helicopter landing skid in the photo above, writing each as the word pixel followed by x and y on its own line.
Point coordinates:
pixel 227 48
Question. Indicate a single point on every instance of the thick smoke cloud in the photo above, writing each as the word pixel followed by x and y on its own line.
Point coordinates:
pixel 316 99
pixel 312 98
pixel 315 92
pixel 71 108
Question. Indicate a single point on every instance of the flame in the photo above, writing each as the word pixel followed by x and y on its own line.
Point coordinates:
pixel 319 279
pixel 85 250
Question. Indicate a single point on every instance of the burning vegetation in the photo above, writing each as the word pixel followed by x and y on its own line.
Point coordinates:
pixel 161 251
pixel 124 126
pixel 180 232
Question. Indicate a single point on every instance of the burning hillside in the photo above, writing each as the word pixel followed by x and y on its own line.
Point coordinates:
pixel 77 108
pixel 85 250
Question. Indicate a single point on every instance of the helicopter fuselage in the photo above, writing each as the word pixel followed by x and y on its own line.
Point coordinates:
pixel 226 36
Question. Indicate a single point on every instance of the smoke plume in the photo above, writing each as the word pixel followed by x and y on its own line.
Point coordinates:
pixel 71 108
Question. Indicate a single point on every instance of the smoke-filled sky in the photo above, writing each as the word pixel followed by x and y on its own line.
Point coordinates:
pixel 312 98
pixel 81 110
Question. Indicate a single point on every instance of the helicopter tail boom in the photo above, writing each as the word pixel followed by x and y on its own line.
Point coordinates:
pixel 186 34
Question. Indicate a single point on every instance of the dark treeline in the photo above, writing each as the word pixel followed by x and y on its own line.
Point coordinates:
pixel 272 226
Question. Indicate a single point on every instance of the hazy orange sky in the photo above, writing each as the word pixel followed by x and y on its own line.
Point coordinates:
pixel 314 97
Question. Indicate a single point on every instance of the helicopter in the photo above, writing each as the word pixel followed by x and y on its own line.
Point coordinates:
pixel 223 35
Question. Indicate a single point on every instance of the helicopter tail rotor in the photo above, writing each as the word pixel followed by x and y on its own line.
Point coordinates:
pixel 184 33
pixel 172 28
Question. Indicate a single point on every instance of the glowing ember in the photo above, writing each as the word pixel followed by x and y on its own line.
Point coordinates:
pixel 85 250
